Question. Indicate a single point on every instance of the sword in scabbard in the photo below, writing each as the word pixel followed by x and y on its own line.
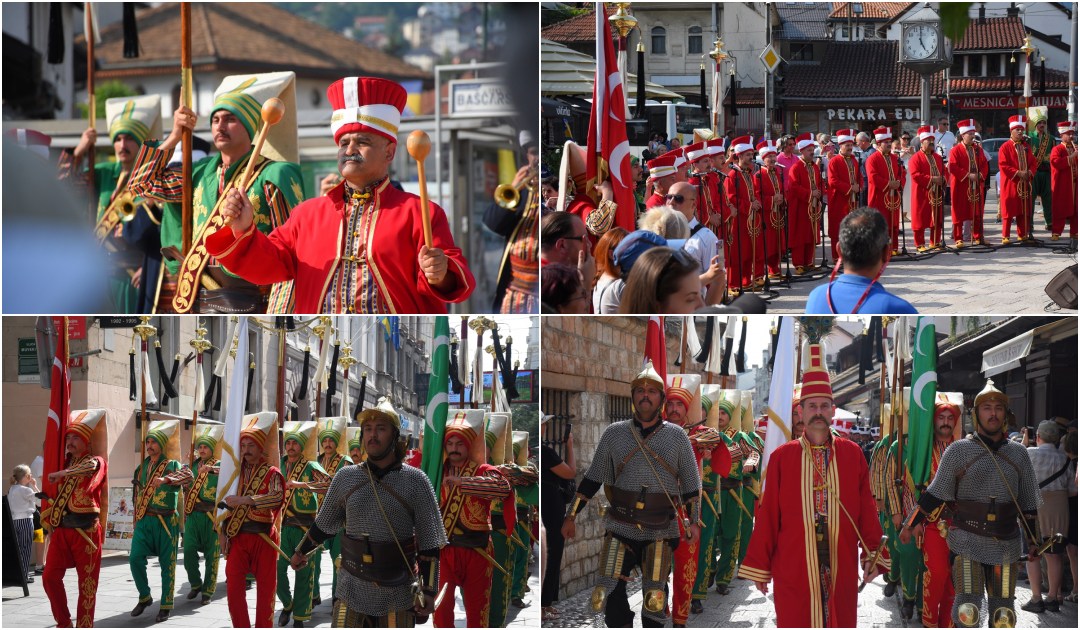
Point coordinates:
pixel 92 544
pixel 271 542
pixel 517 541
pixel 874 560
pixel 486 556
pixel 738 500
pixel 708 502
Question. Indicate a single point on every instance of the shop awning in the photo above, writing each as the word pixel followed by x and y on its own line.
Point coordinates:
pixel 564 71
pixel 1009 355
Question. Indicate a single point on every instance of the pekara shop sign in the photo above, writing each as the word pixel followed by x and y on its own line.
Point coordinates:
pixel 872 114
pixel 1057 101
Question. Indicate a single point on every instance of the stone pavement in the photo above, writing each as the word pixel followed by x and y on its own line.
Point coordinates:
pixel 745 607
pixel 116 597
pixel 1008 280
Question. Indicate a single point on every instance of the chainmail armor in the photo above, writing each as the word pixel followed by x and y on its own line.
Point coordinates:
pixel 671 444
pixel 981 482
pixel 361 517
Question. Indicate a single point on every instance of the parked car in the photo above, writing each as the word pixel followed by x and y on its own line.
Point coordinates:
pixel 991 146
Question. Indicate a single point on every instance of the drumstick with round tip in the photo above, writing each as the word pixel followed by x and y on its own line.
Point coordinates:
pixel 273 110
pixel 419 145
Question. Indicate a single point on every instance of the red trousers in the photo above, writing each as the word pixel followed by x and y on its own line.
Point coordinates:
pixel 937 594
pixel 67 549
pixel 1057 223
pixel 249 553
pixel 803 255
pixel 685 570
pixel 465 568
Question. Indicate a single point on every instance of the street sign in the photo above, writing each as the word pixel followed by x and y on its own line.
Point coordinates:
pixel 28 363
pixel 770 58
pixel 480 97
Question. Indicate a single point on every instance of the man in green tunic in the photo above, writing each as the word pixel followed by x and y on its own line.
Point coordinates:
pixel 1041 144
pixel 752 447
pixel 275 189
pixel 729 477
pixel 132 120
pixel 709 516
pixel 497 434
pixel 303 475
pixel 200 535
pixel 157 525
pixel 907 559
pixel 525 479
pixel 332 458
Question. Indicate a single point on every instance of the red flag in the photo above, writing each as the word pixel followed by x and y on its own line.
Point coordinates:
pixel 608 155
pixel 656 346
pixel 59 410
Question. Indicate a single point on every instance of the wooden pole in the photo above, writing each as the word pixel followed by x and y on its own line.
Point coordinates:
pixel 186 97
pixel 419 145
pixel 91 113
pixel 280 394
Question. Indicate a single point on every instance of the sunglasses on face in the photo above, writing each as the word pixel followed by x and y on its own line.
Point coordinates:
pixel 675 198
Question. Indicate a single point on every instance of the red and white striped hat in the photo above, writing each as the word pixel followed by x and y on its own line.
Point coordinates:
pixel 366 104
pixel 882 133
pixel 716 145
pixel 743 144
pixel 1017 121
pixel 966 126
pixel 846 135
pixel 764 148
pixel 1066 126
pixel 696 151
pixel 842 427
pixel 34 141
pixel 804 140
pixel 662 166
pixel 926 131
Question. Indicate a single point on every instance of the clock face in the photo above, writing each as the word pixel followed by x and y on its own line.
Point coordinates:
pixel 920 41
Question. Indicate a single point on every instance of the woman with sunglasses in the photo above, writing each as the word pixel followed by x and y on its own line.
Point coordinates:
pixel 663 281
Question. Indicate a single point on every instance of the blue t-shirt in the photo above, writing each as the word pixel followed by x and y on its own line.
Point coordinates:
pixel 846 291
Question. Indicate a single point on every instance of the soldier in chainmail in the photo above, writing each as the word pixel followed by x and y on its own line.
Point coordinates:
pixel 989 484
pixel 651 478
pixel 393 532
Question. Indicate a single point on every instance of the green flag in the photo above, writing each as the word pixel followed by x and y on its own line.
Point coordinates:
pixel 921 406
pixel 437 403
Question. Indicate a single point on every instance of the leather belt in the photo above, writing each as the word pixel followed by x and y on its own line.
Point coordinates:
pixel 78 521
pixel 203 506
pixel 996 520
pixel 299 520
pixel 730 484
pixel 649 510
pixel 469 538
pixel 378 562
pixel 254 527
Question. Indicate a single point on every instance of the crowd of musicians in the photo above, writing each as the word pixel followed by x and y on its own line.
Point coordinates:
pixel 239 235
pixel 399 549
pixel 689 507
pixel 768 202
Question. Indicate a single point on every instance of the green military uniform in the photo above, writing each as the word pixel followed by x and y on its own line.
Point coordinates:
pixel 301 506
pixel 1041 145
pixel 497 436
pixel 908 556
pixel 157 524
pixel 528 498
pixel 753 447
pixel 332 428
pixel 731 506
pixel 200 534
pixel 709 517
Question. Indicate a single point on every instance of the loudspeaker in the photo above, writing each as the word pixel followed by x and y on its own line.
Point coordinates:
pixel 1062 289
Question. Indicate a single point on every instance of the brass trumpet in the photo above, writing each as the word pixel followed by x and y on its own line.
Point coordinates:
pixel 122 209
pixel 508 196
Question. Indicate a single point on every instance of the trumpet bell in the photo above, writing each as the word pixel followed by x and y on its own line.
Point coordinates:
pixel 506 196
pixel 126 208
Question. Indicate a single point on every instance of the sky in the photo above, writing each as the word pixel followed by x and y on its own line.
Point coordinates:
pixel 759 334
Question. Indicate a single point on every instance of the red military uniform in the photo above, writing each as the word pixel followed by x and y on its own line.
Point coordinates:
pixel 879 172
pixel 75 518
pixel 927 200
pixel 1015 199
pixel 804 221
pixel 938 590
pixel 967 198
pixel 466 511
pixel 770 186
pixel 740 193
pixel 844 176
pixel 1063 182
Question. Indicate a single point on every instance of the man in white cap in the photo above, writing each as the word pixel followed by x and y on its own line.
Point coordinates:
pixel 360 248
pixel 885 183
pixel 1063 181
pixel 845 184
pixel 968 170
pixel 927 192
pixel 804 200
pixel 1016 164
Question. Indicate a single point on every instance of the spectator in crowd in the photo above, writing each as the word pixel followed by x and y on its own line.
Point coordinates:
pixel 663 281
pixel 563 291
pixel 23 503
pixel 564 240
pixel 637 177
pixel 675 144
pixel 607 272
pixel 1068 444
pixel 702 243
pixel 665 222
pixel 36 468
pixel 863 153
pixel 1051 467
pixel 944 139
pixel 549 194
pixel 786 146
pixel 555 474
pixel 864 250
pixel 625 255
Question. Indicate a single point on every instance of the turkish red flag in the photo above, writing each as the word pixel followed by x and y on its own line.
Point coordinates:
pixel 59 410
pixel 656 346
pixel 608 157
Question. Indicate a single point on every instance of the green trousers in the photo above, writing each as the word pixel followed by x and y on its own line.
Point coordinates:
pixel 298 602
pixel 910 560
pixel 500 582
pixel 707 550
pixel 153 537
pixel 749 500
pixel 729 537
pixel 521 561
pixel 890 531
pixel 200 537
pixel 1040 187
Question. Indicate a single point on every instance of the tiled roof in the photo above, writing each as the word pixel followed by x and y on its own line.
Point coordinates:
pixel 748 96
pixel 803 21
pixel 1055 80
pixel 581 28
pixel 257 37
pixel 870 10
pixel 993 34
pixel 853 70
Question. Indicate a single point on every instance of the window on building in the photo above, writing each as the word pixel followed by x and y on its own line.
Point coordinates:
pixel 869 32
pixel 802 52
pixel 557 403
pixel 659 40
pixel 993 65
pixel 957 69
pixel 975 65
pixel 693 46
pixel 620 408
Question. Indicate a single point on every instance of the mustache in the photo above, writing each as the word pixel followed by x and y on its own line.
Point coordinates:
pixel 818 417
pixel 359 159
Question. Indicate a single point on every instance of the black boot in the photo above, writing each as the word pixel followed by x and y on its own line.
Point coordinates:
pixel 283 618
pixel 722 589
pixel 696 607
pixel 315 601
pixel 194 592
pixel 298 624
pixel 205 599
pixel 162 615
pixel 907 609
pixel 890 589
pixel 140 607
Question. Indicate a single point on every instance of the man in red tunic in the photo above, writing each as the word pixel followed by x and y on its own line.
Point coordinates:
pixel 927 191
pixel 744 221
pixel 76 518
pixel 845 183
pixel 469 486
pixel 815 514
pixel 249 532
pixel 662 175
pixel 804 197
pixel 770 186
pixel 1063 181
pixel 1016 163
pixel 360 248
pixel 968 170
pixel 885 183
